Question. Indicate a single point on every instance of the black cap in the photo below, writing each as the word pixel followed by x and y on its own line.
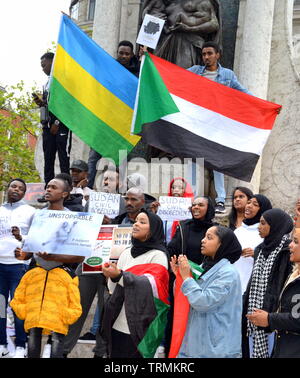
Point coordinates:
pixel 80 164
pixel 149 199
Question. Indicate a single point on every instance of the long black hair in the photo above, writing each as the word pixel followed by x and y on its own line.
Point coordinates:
pixel 233 213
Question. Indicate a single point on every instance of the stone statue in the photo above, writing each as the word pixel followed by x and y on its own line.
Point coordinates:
pixel 156 8
pixel 189 23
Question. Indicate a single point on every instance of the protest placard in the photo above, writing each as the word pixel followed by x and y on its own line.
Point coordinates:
pixel 5 226
pixel 63 232
pixel 101 252
pixel 8 243
pixel 174 208
pixel 104 203
pixel 121 240
pixel 150 31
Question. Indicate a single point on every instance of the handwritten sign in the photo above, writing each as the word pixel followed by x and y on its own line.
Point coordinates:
pixel 174 208
pixel 63 232
pixel 5 226
pixel 150 31
pixel 104 203
pixel 120 241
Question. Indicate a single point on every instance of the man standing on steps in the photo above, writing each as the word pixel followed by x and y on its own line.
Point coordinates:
pixel 56 136
pixel 213 70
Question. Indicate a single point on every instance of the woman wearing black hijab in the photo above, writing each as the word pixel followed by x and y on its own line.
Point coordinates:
pixel 271 268
pixel 214 328
pixel 249 237
pixel 138 282
pixel 187 241
pixel 190 232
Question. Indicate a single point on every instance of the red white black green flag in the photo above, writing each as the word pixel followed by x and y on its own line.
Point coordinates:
pixel 190 116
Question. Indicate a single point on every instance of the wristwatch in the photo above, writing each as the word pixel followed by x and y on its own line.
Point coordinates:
pixel 56 122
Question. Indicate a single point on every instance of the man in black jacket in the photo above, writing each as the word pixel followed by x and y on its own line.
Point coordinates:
pixel 126 57
pixel 56 136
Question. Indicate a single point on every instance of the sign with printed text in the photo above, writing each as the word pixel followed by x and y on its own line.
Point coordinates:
pixel 104 203
pixel 174 208
pixel 101 251
pixel 150 31
pixel 63 232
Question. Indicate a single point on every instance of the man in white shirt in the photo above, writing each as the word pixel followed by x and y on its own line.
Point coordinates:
pixel 15 220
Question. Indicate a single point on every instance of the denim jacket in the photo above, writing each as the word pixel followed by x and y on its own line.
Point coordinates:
pixel 214 325
pixel 225 76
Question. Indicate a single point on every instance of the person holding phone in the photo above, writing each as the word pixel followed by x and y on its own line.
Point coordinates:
pixel 56 136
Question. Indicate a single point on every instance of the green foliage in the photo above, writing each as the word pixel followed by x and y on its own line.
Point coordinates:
pixel 19 121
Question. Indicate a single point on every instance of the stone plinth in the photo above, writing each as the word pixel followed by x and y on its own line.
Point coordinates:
pixel 252 60
pixel 280 178
pixel 79 150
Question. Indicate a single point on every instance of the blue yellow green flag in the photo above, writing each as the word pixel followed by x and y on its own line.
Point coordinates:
pixel 91 93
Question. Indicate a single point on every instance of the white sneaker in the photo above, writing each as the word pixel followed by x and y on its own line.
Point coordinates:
pixel 46 351
pixel 20 353
pixel 160 352
pixel 4 352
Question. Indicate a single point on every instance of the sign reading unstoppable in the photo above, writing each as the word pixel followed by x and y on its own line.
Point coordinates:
pixel 63 232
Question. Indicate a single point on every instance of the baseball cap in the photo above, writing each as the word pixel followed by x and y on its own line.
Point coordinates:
pixel 80 164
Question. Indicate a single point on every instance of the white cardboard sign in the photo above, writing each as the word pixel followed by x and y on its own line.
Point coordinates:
pixel 174 208
pixel 104 203
pixel 150 31
pixel 63 232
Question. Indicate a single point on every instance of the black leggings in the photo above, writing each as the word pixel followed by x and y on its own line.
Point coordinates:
pixel 35 344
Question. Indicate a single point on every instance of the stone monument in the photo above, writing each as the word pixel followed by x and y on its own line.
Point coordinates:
pixel 265 62
pixel 188 25
pixel 257 38
pixel 280 170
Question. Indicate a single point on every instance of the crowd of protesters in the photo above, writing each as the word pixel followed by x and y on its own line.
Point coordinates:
pixel 243 302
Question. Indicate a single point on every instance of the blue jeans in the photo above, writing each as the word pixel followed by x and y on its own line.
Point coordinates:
pixel 10 277
pixel 35 344
pixel 219 187
pixel 96 322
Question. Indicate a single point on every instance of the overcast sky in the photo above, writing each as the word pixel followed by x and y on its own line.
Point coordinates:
pixel 27 29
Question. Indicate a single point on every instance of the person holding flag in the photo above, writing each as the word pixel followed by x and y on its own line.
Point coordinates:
pixel 186 115
pixel 212 70
pixel 208 306
pixel 136 314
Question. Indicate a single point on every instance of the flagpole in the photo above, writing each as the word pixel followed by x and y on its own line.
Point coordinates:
pixel 137 95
